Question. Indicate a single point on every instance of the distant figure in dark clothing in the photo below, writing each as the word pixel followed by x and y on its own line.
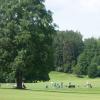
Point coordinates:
pixel 24 87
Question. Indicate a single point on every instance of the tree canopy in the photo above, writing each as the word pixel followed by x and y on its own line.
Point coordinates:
pixel 26 35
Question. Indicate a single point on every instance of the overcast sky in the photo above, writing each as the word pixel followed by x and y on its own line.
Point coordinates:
pixel 77 15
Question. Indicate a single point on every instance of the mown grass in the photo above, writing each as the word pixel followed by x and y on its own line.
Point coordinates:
pixel 38 91
pixel 10 94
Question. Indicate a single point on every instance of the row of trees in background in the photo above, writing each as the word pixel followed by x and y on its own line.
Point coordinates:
pixel 89 60
pixel 73 55
pixel 68 45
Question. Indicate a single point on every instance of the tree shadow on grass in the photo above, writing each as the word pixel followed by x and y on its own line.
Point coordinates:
pixel 76 92
pixel 51 91
pixel 12 88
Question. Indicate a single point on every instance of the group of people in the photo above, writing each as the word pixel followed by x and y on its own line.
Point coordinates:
pixel 69 85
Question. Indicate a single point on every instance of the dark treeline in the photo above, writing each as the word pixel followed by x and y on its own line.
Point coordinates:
pixel 68 46
pixel 73 55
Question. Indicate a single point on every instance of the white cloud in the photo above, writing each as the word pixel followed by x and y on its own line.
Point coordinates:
pixel 56 4
pixel 90 5
pixel 81 15
pixel 82 5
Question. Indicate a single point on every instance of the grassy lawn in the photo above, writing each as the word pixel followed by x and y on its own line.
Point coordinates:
pixel 9 94
pixel 37 91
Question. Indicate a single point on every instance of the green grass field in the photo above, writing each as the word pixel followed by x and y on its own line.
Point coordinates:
pixel 38 91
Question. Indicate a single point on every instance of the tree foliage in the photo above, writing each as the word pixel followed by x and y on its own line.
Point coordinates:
pixel 92 70
pixel 26 35
pixel 68 46
pixel 89 59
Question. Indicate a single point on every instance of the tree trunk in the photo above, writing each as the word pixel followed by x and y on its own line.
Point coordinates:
pixel 19 79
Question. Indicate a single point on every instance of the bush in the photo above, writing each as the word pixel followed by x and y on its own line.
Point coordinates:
pixel 92 70
pixel 77 70
pixel 98 71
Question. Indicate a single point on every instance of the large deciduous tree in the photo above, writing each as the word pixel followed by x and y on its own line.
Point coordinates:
pixel 26 35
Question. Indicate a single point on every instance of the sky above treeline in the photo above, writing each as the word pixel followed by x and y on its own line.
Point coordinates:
pixel 77 15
